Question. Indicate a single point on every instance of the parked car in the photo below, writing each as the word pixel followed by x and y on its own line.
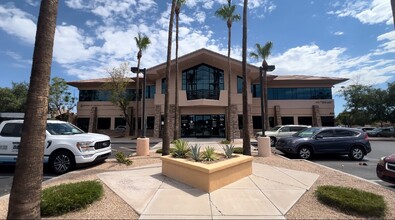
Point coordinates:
pixel 281 131
pixel 381 132
pixel 120 128
pixel 365 129
pixel 385 169
pixel 326 140
pixel 66 146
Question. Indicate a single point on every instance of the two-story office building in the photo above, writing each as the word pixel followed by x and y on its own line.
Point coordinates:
pixel 202 93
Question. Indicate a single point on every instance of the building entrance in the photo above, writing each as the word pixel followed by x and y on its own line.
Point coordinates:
pixel 203 126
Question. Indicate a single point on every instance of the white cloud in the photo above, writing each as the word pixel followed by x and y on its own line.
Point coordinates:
pixel 33 3
pixel 18 23
pixel 366 11
pixel 200 16
pixel 388 46
pixel 338 33
pixel 311 60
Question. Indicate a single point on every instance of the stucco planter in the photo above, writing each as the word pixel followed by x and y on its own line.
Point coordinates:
pixel 207 177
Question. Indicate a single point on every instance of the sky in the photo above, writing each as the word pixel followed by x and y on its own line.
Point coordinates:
pixel 352 39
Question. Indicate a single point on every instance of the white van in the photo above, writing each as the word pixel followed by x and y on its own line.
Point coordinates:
pixel 66 146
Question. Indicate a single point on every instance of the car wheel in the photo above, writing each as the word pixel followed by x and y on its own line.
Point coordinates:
pixel 61 162
pixel 272 141
pixel 356 153
pixel 305 152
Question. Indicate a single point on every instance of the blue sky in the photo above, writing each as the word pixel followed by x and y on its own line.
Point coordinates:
pixel 338 38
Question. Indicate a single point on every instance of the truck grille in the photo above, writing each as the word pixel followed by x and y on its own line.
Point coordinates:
pixel 102 144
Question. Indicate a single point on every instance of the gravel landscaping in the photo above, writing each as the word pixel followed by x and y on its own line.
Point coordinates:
pixel 111 206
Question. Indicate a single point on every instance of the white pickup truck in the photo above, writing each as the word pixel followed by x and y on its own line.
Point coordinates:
pixel 66 146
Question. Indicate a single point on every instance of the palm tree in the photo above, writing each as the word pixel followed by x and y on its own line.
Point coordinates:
pixel 263 53
pixel 393 10
pixel 25 197
pixel 246 128
pixel 177 110
pixel 142 42
pixel 166 127
pixel 227 13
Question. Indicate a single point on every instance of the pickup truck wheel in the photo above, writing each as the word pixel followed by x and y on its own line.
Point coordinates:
pixel 61 162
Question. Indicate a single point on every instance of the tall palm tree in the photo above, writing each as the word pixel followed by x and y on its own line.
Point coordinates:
pixel 25 194
pixel 177 110
pixel 246 118
pixel 142 42
pixel 393 10
pixel 263 53
pixel 166 127
pixel 227 13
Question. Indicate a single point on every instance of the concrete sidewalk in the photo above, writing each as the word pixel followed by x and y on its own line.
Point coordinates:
pixel 266 194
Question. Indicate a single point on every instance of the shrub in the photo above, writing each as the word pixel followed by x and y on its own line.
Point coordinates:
pixel 121 158
pixel 160 150
pixel 58 200
pixel 181 149
pixel 225 142
pixel 238 150
pixel 209 154
pixel 352 200
pixel 228 150
pixel 195 153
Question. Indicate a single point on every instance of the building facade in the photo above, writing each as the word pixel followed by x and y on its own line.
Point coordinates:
pixel 202 94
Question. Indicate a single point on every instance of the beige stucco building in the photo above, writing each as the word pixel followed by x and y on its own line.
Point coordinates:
pixel 202 92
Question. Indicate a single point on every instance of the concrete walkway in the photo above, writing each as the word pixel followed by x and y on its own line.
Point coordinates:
pixel 266 194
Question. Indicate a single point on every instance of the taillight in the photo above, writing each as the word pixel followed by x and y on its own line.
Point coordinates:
pixel 366 137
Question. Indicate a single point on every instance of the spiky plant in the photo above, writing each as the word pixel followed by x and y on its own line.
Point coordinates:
pixel 181 149
pixel 195 153
pixel 209 154
pixel 228 150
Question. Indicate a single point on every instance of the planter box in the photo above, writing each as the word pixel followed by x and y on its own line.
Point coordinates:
pixel 207 177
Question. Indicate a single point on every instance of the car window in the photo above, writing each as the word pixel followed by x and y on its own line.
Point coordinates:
pixel 63 129
pixel 306 133
pixel 275 128
pixel 297 128
pixel 345 133
pixel 326 133
pixel 284 129
pixel 12 130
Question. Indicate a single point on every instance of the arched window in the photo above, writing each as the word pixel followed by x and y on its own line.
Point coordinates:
pixel 203 82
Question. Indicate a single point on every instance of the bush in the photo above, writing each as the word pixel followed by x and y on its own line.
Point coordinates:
pixel 159 151
pixel 209 154
pixel 181 149
pixel 58 200
pixel 352 200
pixel 225 142
pixel 121 158
pixel 238 150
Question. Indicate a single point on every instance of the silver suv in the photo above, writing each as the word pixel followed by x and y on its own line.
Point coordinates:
pixel 281 131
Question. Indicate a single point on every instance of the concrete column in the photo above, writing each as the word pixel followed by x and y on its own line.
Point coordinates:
pixel 316 116
pixel 277 115
pixel 142 148
pixel 264 148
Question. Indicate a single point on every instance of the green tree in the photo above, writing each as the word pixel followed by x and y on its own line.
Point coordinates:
pixel 60 99
pixel 177 110
pixel 376 105
pixel 166 126
pixel 119 82
pixel 25 196
pixel 246 118
pixel 14 99
pixel 263 53
pixel 142 42
pixel 227 13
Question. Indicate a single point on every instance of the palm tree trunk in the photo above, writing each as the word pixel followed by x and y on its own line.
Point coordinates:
pixel 136 122
pixel 177 110
pixel 166 127
pixel 246 128
pixel 229 124
pixel 266 115
pixel 25 197
pixel 393 11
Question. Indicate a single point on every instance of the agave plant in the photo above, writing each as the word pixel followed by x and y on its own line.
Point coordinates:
pixel 209 154
pixel 228 150
pixel 195 153
pixel 181 149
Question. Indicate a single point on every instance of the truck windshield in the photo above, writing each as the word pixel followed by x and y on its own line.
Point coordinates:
pixel 63 129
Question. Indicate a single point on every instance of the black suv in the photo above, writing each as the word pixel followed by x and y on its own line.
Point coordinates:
pixel 330 140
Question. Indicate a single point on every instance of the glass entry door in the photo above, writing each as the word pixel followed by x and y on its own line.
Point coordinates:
pixel 203 126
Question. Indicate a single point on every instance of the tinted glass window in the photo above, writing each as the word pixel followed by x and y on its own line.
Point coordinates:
pixel 239 84
pixel 12 130
pixel 326 133
pixel 297 128
pixel 345 133
pixel 285 129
